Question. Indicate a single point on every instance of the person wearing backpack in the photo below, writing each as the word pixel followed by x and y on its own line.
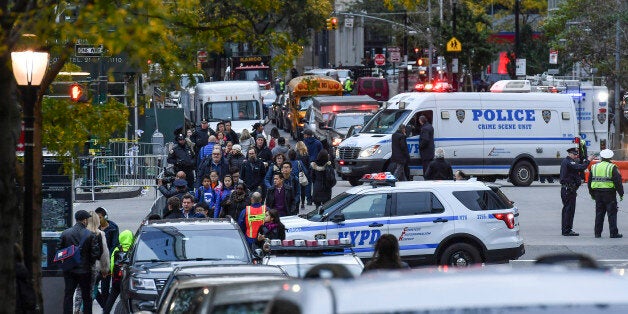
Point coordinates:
pixel 118 255
pixel 80 275
pixel 323 178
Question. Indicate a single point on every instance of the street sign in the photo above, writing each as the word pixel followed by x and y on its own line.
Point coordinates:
pixel 380 59
pixel 553 56
pixel 349 22
pixel 88 50
pixel 453 45
pixel 201 56
pixel 454 65
pixel 395 55
pixel 520 68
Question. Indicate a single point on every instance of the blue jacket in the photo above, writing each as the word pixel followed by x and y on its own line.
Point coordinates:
pixel 242 222
pixel 221 195
pixel 207 196
pixel 314 147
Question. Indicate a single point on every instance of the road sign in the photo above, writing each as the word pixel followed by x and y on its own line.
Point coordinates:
pixel 88 50
pixel 201 56
pixel 349 22
pixel 453 45
pixel 395 55
pixel 553 56
pixel 380 59
pixel 520 68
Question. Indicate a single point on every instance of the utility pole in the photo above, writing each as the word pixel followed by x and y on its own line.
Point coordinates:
pixel 405 50
pixel 618 112
pixel 517 39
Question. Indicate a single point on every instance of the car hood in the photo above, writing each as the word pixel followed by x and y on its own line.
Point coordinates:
pixel 294 222
pixel 365 140
pixel 168 267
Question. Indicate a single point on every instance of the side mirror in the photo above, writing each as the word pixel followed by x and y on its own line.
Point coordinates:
pixel 338 218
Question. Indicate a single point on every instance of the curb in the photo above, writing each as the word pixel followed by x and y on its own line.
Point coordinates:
pixel 87 196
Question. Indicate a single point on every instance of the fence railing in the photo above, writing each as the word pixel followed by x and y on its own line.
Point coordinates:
pixel 100 173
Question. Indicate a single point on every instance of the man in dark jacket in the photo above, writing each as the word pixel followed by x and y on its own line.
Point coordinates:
pixel 400 156
pixel 182 157
pixel 253 172
pixel 235 159
pixel 314 146
pixel 112 232
pixel 570 182
pixel 201 135
pixel 439 168
pixel 262 150
pixel 80 275
pixel 230 134
pixel 280 196
pixel 426 143
pixel 216 162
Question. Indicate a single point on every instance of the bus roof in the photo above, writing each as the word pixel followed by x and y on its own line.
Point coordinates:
pixel 228 87
pixel 315 85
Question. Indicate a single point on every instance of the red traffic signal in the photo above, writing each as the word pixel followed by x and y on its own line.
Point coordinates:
pixel 334 23
pixel 76 92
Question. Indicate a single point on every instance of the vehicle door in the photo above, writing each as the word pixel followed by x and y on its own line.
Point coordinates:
pixel 413 131
pixel 420 220
pixel 362 221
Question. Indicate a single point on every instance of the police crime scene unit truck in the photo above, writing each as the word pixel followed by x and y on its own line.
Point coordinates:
pixel 436 222
pixel 487 135
pixel 237 101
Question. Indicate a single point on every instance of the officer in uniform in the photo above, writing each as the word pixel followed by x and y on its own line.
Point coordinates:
pixel 605 182
pixel 182 157
pixel 570 182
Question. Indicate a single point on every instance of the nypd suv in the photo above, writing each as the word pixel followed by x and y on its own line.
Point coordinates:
pixel 455 223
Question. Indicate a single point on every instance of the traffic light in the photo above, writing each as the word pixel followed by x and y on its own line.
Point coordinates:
pixel 77 92
pixel 419 61
pixel 328 21
pixel 334 23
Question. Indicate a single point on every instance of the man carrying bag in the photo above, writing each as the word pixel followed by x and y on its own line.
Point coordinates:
pixel 79 274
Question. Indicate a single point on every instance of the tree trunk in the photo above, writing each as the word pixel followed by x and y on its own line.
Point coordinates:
pixel 10 189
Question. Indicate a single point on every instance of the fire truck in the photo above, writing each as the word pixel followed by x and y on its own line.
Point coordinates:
pixel 255 68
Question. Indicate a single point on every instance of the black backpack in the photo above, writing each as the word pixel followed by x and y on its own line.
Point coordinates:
pixel 118 258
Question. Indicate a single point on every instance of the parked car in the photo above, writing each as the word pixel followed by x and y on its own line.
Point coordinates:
pixel 185 286
pixel 375 87
pixel 163 245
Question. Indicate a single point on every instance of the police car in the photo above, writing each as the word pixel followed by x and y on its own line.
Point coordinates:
pixel 436 222
pixel 298 257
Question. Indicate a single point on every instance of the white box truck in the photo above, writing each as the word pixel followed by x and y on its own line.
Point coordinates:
pixel 237 101
pixel 491 136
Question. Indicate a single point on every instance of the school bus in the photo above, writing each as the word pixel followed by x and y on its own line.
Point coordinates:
pixel 301 91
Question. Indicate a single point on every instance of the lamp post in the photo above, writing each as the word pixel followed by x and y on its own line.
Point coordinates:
pixel 28 68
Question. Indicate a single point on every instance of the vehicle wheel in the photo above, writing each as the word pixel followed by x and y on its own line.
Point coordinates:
pixel 460 255
pixel 355 181
pixel 522 174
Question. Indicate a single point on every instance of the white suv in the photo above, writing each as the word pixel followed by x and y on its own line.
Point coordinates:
pixel 436 222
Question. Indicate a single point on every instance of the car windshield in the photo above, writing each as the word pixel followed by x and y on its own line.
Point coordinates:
pixel 167 243
pixel 329 207
pixel 386 121
pixel 232 110
pixel 345 121
pixel 252 75
pixel 305 103
pixel 343 73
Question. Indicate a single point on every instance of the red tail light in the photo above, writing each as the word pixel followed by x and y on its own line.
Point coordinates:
pixel 508 218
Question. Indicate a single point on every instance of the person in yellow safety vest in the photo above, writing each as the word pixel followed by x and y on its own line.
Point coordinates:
pixel 605 181
pixel 252 218
pixel 348 86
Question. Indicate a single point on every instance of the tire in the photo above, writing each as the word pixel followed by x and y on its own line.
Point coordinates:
pixel 460 255
pixel 119 308
pixel 522 174
pixel 354 181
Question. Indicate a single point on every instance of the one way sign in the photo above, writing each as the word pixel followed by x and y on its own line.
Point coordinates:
pixel 453 45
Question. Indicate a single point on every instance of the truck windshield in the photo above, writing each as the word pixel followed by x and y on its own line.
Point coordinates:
pixel 342 121
pixel 252 75
pixel 386 121
pixel 232 110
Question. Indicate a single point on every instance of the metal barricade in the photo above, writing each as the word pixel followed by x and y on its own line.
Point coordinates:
pixel 109 172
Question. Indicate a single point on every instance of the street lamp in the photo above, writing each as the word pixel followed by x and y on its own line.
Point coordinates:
pixel 28 68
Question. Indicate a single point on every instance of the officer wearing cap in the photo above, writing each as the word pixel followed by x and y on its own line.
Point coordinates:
pixel 201 135
pixel 604 183
pixel 570 182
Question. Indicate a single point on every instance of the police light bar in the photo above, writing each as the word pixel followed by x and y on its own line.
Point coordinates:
pixel 379 178
pixel 511 86
pixel 308 247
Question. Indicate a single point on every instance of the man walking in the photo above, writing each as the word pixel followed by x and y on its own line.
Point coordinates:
pixel 399 153
pixel 426 143
pixel 81 275
pixel 182 157
pixel 252 217
pixel 604 183
pixel 570 182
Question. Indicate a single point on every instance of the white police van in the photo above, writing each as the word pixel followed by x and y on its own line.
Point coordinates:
pixel 436 222
pixel 487 135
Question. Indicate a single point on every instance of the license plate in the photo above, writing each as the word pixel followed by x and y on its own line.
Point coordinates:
pixel 345 170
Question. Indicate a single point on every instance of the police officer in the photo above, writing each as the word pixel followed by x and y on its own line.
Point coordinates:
pixel 182 157
pixel 605 182
pixel 348 86
pixel 570 182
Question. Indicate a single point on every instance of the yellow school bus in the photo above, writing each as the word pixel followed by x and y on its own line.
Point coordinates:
pixel 301 90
